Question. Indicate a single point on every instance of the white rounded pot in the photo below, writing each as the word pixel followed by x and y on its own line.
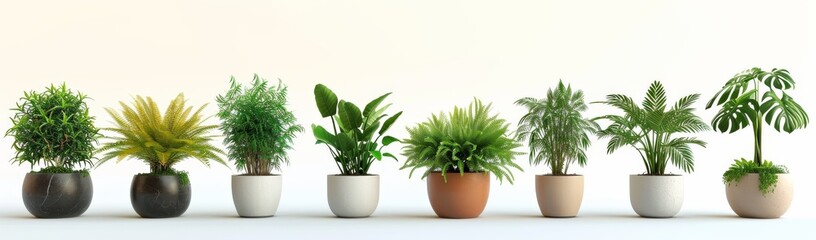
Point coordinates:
pixel 256 195
pixel 656 196
pixel 747 201
pixel 353 196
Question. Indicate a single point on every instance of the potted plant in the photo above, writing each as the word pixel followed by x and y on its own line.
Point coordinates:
pixel 558 135
pixel 651 130
pixel 353 146
pixel 258 130
pixel 54 128
pixel 161 140
pixel 758 188
pixel 471 144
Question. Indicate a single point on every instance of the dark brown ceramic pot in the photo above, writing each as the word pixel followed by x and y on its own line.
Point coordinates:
pixel 463 196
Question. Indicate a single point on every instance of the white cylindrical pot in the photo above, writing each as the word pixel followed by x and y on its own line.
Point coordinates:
pixel 656 196
pixel 353 196
pixel 256 195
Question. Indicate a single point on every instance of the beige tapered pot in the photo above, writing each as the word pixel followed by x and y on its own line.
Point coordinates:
pixel 559 196
pixel 747 201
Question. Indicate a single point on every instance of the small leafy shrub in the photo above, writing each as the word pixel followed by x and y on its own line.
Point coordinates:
pixel 54 128
pixel 767 173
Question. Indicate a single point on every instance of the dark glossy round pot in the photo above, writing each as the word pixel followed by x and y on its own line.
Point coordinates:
pixel 159 196
pixel 57 195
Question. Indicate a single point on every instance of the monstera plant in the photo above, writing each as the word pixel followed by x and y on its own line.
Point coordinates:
pixel 757 188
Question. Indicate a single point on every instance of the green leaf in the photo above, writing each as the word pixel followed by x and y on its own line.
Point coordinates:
pixel 323 136
pixel 390 155
pixel 371 107
pixel 389 122
pixel 377 154
pixel 788 114
pixel 388 140
pixel 326 100
pixel 344 142
pixel 350 115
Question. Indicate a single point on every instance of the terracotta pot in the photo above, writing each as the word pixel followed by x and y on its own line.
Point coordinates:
pixel 353 196
pixel 559 196
pixel 747 201
pixel 463 196
pixel 256 195
pixel 656 196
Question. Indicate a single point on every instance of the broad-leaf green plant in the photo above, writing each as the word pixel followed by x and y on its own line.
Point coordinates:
pixel 652 129
pixel 258 128
pixel 555 130
pixel 747 99
pixel 352 140
pixel 465 140
pixel 142 132
pixel 53 128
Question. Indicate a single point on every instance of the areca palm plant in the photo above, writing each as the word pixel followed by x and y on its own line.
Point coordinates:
pixel 742 106
pixel 652 128
pixel 160 140
pixel 555 130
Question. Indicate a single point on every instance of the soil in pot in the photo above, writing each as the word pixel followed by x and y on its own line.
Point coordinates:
pixel 747 201
pixel 159 196
pixel 656 196
pixel 559 196
pixel 57 195
pixel 353 196
pixel 463 196
pixel 256 195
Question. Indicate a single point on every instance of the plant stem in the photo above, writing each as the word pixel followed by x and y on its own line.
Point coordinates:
pixel 757 121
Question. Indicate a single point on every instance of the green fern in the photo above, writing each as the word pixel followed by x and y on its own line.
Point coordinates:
pixel 650 129
pixel 555 130
pixel 161 141
pixel 466 140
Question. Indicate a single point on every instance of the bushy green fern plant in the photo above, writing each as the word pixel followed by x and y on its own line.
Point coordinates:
pixel 650 130
pixel 54 128
pixel 352 142
pixel 161 140
pixel 555 130
pixel 258 128
pixel 745 102
pixel 465 140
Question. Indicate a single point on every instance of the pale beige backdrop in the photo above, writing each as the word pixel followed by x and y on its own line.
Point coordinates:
pixel 432 55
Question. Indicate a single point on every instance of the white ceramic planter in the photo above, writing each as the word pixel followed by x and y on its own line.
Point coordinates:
pixel 353 196
pixel 256 196
pixel 747 201
pixel 656 196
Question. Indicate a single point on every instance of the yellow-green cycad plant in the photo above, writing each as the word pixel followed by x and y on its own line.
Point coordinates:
pixel 160 140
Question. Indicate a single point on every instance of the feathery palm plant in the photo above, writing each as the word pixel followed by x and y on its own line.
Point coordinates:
pixel 650 129
pixel 352 142
pixel 258 129
pixel 742 106
pixel 555 130
pixel 465 140
pixel 160 140
pixel 54 128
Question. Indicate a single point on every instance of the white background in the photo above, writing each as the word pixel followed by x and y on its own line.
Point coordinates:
pixel 432 55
